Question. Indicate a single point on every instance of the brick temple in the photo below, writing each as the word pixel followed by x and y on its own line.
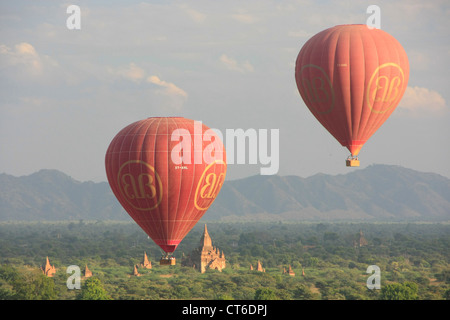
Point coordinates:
pixel 49 270
pixel 206 256
pixel 146 264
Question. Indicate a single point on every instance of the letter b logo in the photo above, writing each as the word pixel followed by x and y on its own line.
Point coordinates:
pixel 316 89
pixel 140 184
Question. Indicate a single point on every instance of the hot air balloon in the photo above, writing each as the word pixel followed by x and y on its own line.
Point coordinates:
pixel 352 78
pixel 166 172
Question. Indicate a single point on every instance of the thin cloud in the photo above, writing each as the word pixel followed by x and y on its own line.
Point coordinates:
pixel 131 72
pixel 244 18
pixel 169 88
pixel 194 14
pixel 418 101
pixel 232 64
pixel 23 56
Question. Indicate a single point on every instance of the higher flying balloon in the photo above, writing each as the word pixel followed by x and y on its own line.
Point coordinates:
pixel 352 77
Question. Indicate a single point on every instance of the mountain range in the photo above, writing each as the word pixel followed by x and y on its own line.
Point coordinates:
pixel 375 193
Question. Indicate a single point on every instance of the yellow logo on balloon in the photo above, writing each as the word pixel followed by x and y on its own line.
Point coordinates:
pixel 316 88
pixel 140 184
pixel 385 87
pixel 209 186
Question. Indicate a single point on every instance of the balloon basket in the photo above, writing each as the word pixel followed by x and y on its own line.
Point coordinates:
pixel 352 162
pixel 170 261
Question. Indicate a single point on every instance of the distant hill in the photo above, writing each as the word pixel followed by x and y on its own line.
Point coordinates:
pixel 376 193
pixel 53 195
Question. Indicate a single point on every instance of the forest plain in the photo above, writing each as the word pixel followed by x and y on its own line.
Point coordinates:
pixel 328 262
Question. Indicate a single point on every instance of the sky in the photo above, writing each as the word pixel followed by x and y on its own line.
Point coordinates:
pixel 65 93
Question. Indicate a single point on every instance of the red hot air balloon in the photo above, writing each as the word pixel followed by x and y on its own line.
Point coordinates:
pixel 166 172
pixel 352 78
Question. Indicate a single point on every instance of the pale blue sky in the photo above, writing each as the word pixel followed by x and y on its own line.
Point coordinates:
pixel 64 94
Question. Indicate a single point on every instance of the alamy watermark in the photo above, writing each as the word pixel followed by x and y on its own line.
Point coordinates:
pixel 374 20
pixel 374 281
pixel 74 280
pixel 73 22
pixel 251 146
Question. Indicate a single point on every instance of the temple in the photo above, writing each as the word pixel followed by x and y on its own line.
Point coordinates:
pixel 289 271
pixel 259 267
pixel 87 272
pixel 361 241
pixel 146 264
pixel 48 270
pixel 206 256
pixel 135 271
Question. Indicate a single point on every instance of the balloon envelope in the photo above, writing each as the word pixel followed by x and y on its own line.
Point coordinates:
pixel 166 172
pixel 352 78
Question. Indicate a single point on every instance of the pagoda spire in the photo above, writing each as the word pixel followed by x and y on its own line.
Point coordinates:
pixel 87 272
pixel 205 256
pixel 205 241
pixel 291 272
pixel 48 270
pixel 145 262
pixel 259 267
pixel 135 271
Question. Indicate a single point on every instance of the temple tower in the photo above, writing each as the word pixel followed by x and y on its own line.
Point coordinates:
pixel 206 256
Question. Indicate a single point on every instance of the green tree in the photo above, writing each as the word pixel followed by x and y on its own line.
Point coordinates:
pixel 8 276
pixel 312 262
pixel 399 291
pixel 446 294
pixel 26 285
pixel 43 287
pixel 330 236
pixel 302 292
pixel 224 296
pixel 181 292
pixel 266 294
pixel 92 289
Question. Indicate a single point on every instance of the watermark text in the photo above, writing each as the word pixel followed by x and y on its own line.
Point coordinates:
pixel 249 146
pixel 374 20
pixel 374 281
pixel 73 22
